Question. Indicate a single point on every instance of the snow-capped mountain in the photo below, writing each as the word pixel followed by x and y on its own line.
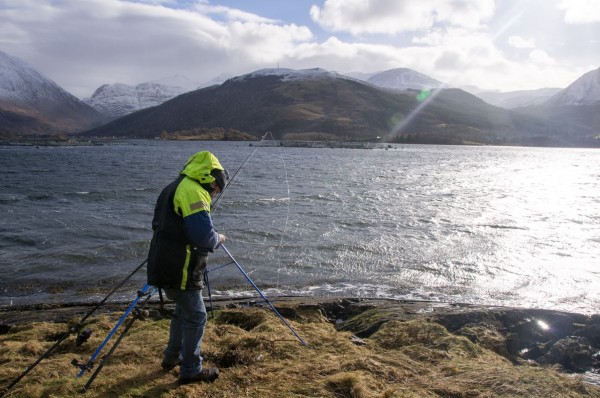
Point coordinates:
pixel 37 104
pixel 22 84
pixel 116 100
pixel 178 81
pixel 404 79
pixel 364 76
pixel 293 74
pixel 583 91
pixel 216 80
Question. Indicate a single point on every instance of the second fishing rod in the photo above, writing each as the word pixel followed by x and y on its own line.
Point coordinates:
pixel 82 335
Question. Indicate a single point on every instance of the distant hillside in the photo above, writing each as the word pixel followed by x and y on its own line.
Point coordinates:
pixel 404 79
pixel 517 99
pixel 30 103
pixel 577 106
pixel 320 105
pixel 310 103
pixel 583 91
pixel 118 99
pixel 580 119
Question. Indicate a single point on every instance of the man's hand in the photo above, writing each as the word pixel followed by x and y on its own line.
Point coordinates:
pixel 222 238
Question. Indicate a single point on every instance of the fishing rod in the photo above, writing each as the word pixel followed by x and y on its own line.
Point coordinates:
pixel 82 336
pixel 216 202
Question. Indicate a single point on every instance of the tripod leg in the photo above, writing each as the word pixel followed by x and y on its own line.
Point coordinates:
pixel 263 296
pixel 90 362
pixel 207 283
pixel 117 342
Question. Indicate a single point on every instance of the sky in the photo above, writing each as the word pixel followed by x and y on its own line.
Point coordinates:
pixel 503 45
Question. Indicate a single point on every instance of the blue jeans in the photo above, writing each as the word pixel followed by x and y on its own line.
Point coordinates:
pixel 186 330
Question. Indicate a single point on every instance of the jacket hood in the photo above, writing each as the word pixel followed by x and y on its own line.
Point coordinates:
pixel 200 165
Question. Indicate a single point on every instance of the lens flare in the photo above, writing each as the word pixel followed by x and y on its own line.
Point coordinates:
pixel 423 95
pixel 543 325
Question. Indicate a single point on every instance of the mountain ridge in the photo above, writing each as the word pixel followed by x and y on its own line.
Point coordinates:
pixel 583 91
pixel 517 99
pixel 30 103
pixel 405 79
pixel 118 99
pixel 321 105
pixel 307 104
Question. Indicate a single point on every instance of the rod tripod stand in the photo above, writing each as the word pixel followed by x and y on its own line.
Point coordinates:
pixel 136 308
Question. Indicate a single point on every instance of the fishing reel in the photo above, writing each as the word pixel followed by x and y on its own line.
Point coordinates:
pixel 82 366
pixel 141 314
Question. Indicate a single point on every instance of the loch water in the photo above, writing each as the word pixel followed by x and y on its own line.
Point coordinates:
pixel 463 224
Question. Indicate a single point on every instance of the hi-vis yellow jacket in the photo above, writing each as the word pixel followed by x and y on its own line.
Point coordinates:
pixel 183 229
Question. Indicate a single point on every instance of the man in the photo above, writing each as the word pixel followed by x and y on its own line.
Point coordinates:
pixel 183 236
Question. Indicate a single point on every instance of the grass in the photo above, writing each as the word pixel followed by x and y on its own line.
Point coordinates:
pixel 259 357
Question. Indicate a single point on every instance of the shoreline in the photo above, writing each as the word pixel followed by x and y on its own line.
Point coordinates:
pixel 411 306
pixel 571 340
pixel 63 311
pixel 359 348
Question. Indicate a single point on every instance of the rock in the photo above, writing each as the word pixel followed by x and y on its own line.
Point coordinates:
pixel 513 344
pixel 573 352
pixel 357 340
pixel 590 332
pixel 535 352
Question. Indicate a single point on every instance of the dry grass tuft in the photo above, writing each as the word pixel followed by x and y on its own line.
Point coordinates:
pixel 259 357
pixel 428 340
pixel 246 320
pixel 32 348
pixel 348 385
pixel 486 337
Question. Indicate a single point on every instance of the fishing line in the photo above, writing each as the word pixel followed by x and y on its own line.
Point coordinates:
pixel 216 201
pixel 287 215
pixel 287 198
pixel 278 246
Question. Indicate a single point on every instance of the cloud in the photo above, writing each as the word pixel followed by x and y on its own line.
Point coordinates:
pixel 83 44
pixel 541 58
pixel 580 11
pixel 520 42
pixel 392 17
pixel 459 43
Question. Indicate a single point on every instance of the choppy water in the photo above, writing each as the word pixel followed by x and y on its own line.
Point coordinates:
pixel 489 225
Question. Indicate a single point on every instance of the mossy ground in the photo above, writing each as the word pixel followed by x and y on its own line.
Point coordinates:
pixel 259 357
